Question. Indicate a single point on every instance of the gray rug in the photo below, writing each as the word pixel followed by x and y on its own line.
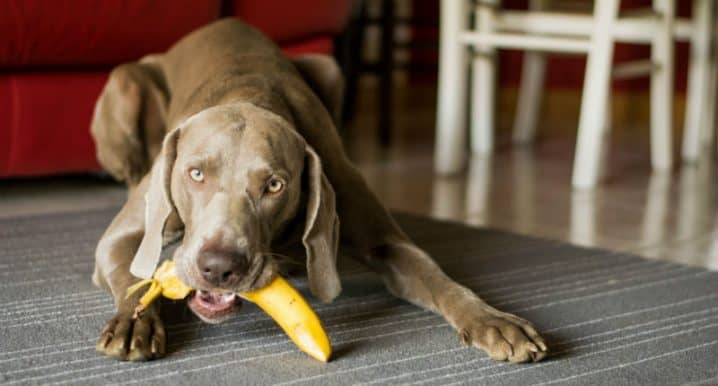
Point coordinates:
pixel 609 318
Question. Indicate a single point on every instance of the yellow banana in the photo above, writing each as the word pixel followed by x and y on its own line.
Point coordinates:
pixel 278 299
pixel 289 309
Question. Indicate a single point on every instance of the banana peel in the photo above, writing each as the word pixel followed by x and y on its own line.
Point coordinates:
pixel 278 299
pixel 164 282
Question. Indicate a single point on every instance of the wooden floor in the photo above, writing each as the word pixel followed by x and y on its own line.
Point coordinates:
pixel 523 189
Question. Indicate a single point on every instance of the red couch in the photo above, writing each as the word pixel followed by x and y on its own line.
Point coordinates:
pixel 55 57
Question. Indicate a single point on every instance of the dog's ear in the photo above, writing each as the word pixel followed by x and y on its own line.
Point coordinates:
pixel 321 232
pixel 158 208
pixel 324 77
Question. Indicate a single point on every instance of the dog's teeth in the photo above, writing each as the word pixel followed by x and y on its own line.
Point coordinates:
pixel 228 297
pixel 200 292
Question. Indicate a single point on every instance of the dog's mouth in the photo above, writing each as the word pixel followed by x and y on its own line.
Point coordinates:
pixel 212 306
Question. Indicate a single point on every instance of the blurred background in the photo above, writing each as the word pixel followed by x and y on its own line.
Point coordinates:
pixel 55 57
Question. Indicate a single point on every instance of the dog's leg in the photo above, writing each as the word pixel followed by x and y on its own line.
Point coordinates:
pixel 124 337
pixel 323 75
pixel 128 123
pixel 411 274
pixel 128 127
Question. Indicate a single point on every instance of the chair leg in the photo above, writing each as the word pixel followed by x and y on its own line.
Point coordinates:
pixel 711 125
pixel 483 88
pixel 594 100
pixel 584 218
pixel 478 191
pixel 709 122
pixel 529 101
pixel 483 92
pixel 386 73
pixel 662 87
pixel 604 157
pixel 349 58
pixel 450 145
pixel 698 80
pixel 530 90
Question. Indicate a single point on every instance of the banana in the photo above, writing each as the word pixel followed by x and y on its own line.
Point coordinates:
pixel 278 299
pixel 289 309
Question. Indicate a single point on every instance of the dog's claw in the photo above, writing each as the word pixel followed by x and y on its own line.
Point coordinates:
pixel 153 347
pixel 136 342
pixel 103 341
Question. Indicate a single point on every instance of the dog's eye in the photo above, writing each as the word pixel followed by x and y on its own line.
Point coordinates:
pixel 196 175
pixel 275 185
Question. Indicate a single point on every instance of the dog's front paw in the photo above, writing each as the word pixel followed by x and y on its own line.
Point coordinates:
pixel 503 336
pixel 141 339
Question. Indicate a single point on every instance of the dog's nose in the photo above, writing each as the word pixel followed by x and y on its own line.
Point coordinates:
pixel 222 268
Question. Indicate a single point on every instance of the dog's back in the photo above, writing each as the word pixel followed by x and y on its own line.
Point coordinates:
pixel 224 61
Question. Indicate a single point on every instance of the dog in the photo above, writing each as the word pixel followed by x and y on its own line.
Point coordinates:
pixel 231 148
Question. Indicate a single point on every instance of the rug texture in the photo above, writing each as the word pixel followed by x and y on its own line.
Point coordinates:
pixel 609 318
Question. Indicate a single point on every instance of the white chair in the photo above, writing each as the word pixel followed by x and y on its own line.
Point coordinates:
pixel 538 31
pixel 700 124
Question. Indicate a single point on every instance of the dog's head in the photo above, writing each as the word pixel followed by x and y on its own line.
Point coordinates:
pixel 239 177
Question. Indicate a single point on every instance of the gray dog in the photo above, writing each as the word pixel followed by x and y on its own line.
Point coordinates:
pixel 229 146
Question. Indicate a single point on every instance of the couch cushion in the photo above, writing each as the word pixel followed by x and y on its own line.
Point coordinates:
pixel 290 21
pixel 316 45
pixel 45 122
pixel 81 33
